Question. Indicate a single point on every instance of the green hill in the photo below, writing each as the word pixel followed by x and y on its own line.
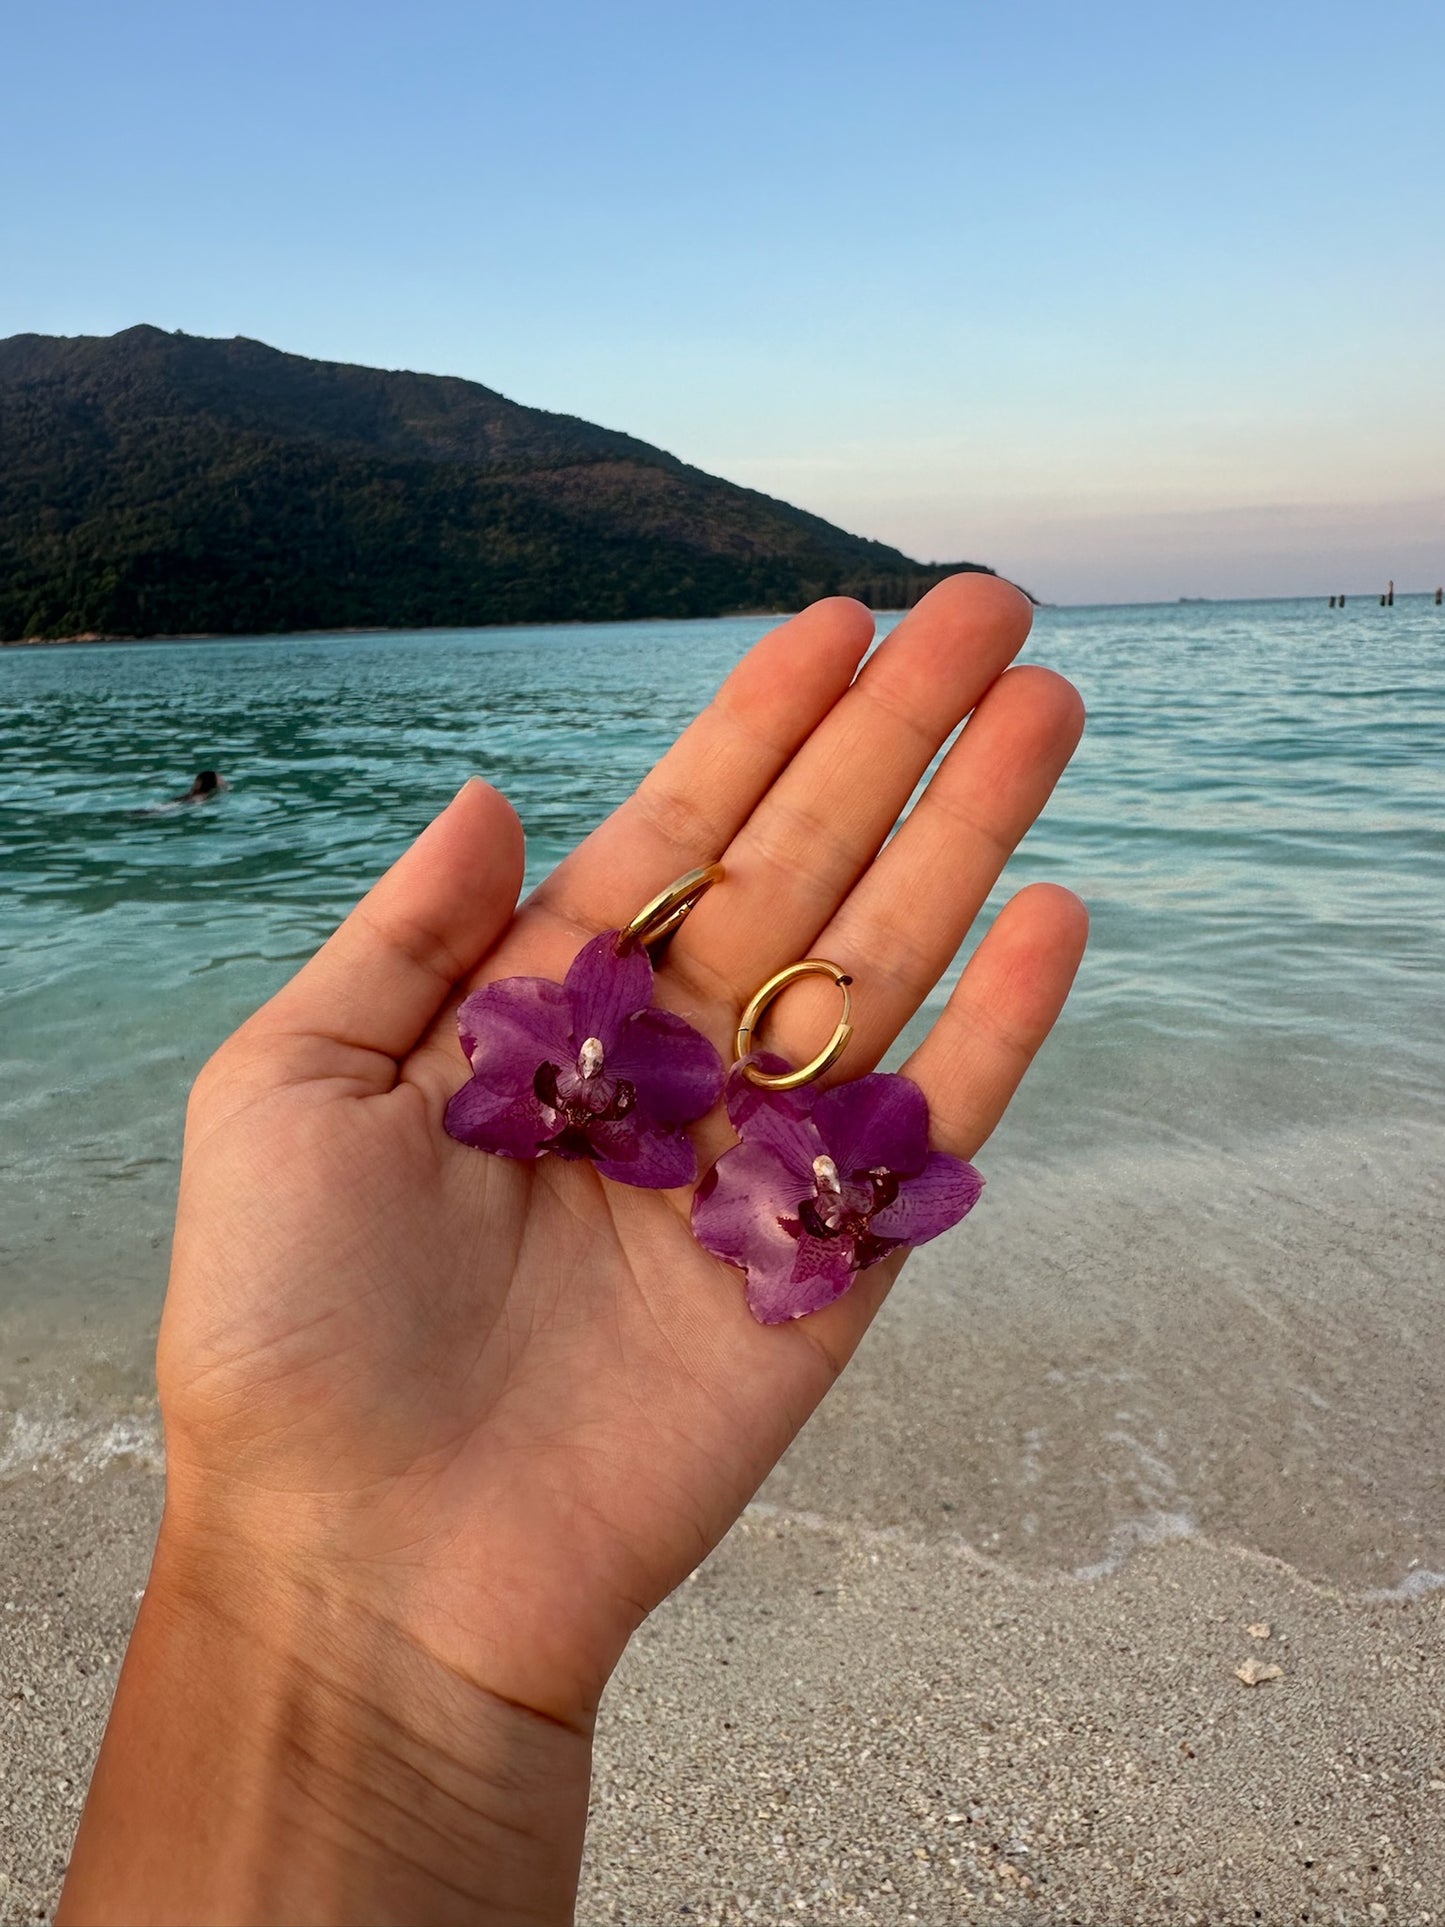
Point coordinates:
pixel 163 484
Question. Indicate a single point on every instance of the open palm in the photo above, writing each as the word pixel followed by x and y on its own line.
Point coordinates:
pixel 515 1397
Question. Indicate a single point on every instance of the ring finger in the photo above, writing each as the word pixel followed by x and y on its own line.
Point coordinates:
pixel 901 926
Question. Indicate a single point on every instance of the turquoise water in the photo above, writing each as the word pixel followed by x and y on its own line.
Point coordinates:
pixel 1255 820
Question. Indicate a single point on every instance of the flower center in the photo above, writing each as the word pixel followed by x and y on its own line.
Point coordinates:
pixel 583 1093
pixel 841 1207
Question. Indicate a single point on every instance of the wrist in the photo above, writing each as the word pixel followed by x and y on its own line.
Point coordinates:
pixel 312 1760
pixel 494 1597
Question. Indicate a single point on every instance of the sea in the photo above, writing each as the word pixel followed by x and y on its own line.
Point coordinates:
pixel 1203 1294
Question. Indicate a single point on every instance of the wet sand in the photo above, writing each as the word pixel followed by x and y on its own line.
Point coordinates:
pixel 839 1722
pixel 1126 1349
pixel 973 1656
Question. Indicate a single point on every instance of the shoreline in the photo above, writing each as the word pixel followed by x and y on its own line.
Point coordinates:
pixel 426 629
pixel 1366 598
pixel 1119 1349
pixel 844 1724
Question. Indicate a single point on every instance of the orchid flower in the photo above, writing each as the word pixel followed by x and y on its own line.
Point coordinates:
pixel 588 1068
pixel 824 1184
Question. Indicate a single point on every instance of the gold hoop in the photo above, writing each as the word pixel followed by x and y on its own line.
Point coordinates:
pixel 831 1051
pixel 666 911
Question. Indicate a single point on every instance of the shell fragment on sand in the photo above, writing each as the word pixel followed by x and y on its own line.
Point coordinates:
pixel 1254 1672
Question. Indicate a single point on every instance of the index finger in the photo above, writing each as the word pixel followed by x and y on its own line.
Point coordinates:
pixel 689 807
pixel 685 811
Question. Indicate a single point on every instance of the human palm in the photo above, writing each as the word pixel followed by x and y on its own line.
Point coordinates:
pixel 514 1404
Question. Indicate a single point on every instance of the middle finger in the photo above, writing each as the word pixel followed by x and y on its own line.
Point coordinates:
pixel 831 810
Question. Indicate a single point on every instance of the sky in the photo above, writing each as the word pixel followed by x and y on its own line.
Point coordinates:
pixel 1130 302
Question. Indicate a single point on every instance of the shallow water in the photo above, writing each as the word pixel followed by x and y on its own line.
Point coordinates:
pixel 1254 1047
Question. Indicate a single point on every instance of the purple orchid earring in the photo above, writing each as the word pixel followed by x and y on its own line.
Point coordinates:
pixel 591 1068
pixel 821 1184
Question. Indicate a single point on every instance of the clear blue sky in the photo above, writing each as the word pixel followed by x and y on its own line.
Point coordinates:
pixel 1128 300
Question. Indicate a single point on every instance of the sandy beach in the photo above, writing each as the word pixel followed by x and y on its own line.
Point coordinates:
pixel 838 1722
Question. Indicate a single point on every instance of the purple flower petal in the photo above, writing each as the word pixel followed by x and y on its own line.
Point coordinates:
pixel 775 1121
pixel 652 1159
pixel 746 1209
pixel 876 1122
pixel 510 1124
pixel 744 1097
pixel 677 1074
pixel 820 1272
pixel 745 1213
pixel 509 1028
pixel 792 1141
pixel 944 1191
pixel 604 989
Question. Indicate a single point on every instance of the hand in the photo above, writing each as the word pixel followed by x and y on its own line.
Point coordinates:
pixel 500 1410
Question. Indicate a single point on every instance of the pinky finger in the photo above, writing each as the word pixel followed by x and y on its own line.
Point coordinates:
pixel 973 1060
pixel 1003 1007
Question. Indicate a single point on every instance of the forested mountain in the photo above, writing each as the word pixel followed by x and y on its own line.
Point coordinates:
pixel 164 484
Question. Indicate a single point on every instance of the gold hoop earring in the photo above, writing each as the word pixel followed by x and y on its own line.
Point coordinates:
pixel 665 913
pixel 831 1051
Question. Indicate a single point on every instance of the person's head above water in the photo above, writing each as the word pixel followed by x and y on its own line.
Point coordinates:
pixel 208 784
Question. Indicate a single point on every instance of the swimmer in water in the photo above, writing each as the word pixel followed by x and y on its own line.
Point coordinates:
pixel 206 785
